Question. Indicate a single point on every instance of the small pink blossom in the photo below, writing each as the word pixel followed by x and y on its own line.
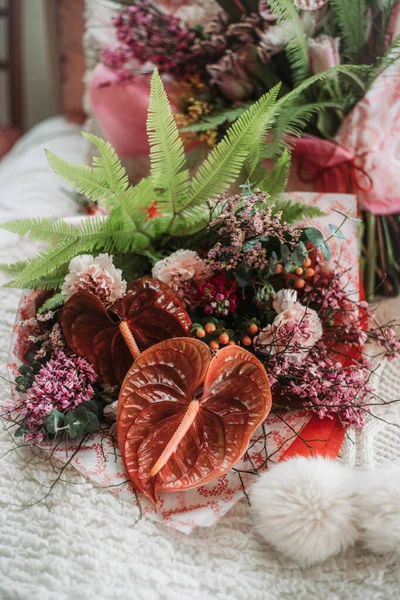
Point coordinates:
pixel 61 384
pixel 184 271
pixel 295 330
pixel 96 275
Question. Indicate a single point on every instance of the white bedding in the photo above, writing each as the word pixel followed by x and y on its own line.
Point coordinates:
pixel 83 543
pixel 28 187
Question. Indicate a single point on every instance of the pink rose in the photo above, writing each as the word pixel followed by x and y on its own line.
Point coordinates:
pixel 324 53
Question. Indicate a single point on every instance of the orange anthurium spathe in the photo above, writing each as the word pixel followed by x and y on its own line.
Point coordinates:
pixel 185 418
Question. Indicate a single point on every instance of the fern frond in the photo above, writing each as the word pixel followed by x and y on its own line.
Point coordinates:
pixel 13 269
pixel 296 211
pixel 223 165
pixel 167 156
pixel 52 303
pixel 274 182
pixel 108 164
pixel 53 231
pixel 352 21
pixel 391 56
pixel 296 48
pixel 85 179
pixel 217 119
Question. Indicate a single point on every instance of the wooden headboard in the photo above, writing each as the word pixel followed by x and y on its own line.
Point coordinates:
pixel 64 39
pixel 11 63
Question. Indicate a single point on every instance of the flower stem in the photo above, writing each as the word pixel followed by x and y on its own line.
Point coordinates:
pixel 129 339
pixel 371 255
pixel 179 434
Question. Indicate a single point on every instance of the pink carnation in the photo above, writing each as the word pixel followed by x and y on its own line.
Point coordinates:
pixel 184 271
pixel 96 275
pixel 294 331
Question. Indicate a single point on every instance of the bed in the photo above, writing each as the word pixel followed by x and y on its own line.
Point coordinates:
pixel 83 542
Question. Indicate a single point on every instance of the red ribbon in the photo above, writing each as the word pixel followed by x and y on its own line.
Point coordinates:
pixel 324 437
pixel 331 167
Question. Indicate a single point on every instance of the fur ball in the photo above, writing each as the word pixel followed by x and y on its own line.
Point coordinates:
pixel 379 504
pixel 307 508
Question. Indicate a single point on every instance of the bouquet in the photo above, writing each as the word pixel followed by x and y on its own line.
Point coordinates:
pixel 201 332
pixel 216 62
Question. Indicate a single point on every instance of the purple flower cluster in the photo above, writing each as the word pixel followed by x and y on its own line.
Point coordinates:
pixel 150 35
pixel 345 321
pixel 323 385
pixel 245 224
pixel 62 384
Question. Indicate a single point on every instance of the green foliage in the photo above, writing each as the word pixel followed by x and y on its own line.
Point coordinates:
pixel 274 182
pixel 243 142
pixel 296 48
pixel 52 303
pixel 295 211
pixel 316 238
pixel 351 16
pixel 83 419
pixel 228 115
pixel 167 156
pixel 128 232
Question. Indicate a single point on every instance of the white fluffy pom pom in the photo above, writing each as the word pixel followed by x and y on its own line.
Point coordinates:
pixel 379 504
pixel 307 508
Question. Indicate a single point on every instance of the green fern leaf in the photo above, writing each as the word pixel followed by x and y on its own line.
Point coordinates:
pixel 295 211
pixel 52 303
pixel 167 156
pixel 274 182
pixel 85 179
pixel 391 56
pixel 296 48
pixel 352 20
pixel 217 119
pixel 223 165
pixel 14 269
pixel 108 164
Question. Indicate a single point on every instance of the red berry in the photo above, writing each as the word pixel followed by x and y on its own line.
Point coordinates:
pixel 224 338
pixel 253 328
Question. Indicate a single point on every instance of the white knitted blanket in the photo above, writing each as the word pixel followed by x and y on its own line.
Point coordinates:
pixel 83 542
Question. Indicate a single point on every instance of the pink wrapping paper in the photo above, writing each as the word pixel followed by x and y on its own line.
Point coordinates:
pixel 100 461
pixel 364 158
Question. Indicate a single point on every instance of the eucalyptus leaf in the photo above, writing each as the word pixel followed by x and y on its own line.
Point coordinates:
pixel 335 231
pixel 93 423
pixel 54 421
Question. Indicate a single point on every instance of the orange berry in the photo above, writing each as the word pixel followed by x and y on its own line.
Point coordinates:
pixel 278 269
pixel 310 272
pixel 224 338
pixel 210 328
pixel 253 328
pixel 306 262
pixel 214 346
pixel 246 341
pixel 299 271
pixel 200 333
pixel 299 283
pixel 231 343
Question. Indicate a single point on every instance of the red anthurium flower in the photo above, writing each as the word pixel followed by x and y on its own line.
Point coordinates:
pixel 185 418
pixel 149 313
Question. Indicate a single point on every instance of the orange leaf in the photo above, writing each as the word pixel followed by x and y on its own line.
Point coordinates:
pixel 185 418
